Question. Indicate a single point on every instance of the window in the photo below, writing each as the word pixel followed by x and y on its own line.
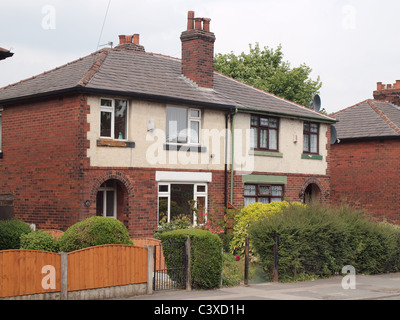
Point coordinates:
pixel 183 125
pixel 114 119
pixel 264 133
pixel 175 199
pixel 310 137
pixel 262 193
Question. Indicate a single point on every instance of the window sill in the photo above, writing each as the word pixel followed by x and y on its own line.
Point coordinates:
pixel 115 143
pixel 274 154
pixel 312 156
pixel 184 147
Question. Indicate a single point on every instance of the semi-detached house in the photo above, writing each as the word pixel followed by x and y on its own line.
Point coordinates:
pixel 135 136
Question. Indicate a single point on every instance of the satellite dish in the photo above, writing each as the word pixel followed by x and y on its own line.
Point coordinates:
pixel 333 135
pixel 316 103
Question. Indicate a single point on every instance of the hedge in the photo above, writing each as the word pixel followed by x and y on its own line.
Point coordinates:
pixel 10 233
pixel 206 255
pixel 94 231
pixel 39 240
pixel 316 241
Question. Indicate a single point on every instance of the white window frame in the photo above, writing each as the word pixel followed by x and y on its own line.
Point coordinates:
pixel 190 119
pixel 112 111
pixel 105 190
pixel 196 194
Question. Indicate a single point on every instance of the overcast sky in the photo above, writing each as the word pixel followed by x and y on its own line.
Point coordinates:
pixel 350 44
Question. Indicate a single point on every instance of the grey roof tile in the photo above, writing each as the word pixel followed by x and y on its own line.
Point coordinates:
pixel 152 75
pixel 368 119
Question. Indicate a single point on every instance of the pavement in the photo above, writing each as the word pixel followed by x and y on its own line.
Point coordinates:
pixel 357 287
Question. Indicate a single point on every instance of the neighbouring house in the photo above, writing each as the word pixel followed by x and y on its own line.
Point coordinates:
pixel 136 136
pixel 366 163
pixel 4 54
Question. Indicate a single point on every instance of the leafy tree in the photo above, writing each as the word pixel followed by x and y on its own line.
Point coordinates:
pixel 266 70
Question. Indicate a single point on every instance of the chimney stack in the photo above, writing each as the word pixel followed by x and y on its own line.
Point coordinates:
pixel 198 51
pixel 388 92
pixel 130 42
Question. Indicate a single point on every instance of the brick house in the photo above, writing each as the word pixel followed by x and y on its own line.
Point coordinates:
pixel 366 163
pixel 136 135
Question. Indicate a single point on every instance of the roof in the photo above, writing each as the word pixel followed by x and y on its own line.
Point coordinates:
pixel 4 54
pixel 151 76
pixel 368 119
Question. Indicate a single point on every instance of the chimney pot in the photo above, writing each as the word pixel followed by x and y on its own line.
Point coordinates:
pixel 198 22
pixel 206 24
pixel 122 39
pixel 190 24
pixel 379 86
pixel 136 38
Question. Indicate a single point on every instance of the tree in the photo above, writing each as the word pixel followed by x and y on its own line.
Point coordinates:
pixel 266 70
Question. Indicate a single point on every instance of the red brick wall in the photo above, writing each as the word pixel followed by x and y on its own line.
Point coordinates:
pixel 42 159
pixel 366 174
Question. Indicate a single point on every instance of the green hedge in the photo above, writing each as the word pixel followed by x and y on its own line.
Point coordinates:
pixel 39 240
pixel 10 233
pixel 206 255
pixel 315 241
pixel 94 231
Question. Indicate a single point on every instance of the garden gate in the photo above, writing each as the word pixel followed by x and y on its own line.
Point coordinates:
pixel 170 266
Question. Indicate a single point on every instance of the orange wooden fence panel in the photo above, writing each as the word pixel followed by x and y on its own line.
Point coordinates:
pixel 106 266
pixel 21 272
pixel 160 261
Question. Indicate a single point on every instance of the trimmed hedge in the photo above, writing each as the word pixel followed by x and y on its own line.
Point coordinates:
pixel 39 240
pixel 206 255
pixel 10 233
pixel 315 241
pixel 94 231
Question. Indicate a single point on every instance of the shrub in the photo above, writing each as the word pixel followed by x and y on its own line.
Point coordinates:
pixel 251 213
pixel 316 241
pixel 179 222
pixel 94 231
pixel 10 233
pixel 206 255
pixel 39 240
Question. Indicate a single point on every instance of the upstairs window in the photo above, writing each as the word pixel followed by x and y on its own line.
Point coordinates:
pixel 264 133
pixel 114 119
pixel 310 137
pixel 183 125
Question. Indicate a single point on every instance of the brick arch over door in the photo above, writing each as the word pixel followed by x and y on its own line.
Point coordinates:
pixel 309 182
pixel 124 193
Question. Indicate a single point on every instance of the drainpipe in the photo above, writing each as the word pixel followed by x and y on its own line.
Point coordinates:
pixel 233 113
pixel 227 115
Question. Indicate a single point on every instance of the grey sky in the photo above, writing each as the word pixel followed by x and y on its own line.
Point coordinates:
pixel 350 44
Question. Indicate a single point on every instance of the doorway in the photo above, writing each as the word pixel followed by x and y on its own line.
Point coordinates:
pixel 312 194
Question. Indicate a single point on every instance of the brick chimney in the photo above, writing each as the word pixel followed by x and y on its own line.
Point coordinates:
pixel 130 42
pixel 198 51
pixel 388 92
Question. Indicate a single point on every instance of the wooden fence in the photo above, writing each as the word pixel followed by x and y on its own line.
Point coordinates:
pixel 27 272
pixel 23 271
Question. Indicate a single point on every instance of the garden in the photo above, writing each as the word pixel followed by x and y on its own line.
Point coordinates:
pixel 314 241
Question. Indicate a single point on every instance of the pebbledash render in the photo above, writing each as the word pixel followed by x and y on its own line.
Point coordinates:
pixel 136 136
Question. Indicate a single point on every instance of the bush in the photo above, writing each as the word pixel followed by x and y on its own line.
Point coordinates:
pixel 249 214
pixel 39 240
pixel 10 233
pixel 94 231
pixel 315 241
pixel 179 222
pixel 206 255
